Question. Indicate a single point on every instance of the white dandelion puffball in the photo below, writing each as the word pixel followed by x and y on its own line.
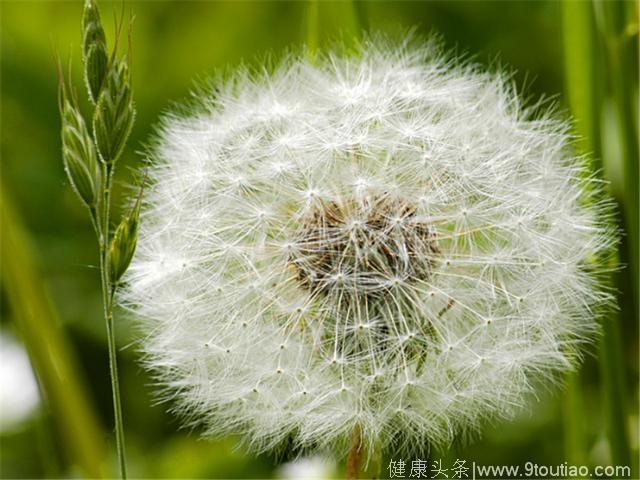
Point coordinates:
pixel 384 242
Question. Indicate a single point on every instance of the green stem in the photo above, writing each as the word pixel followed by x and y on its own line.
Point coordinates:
pixel 108 292
pixel 115 386
pixel 575 447
pixel 312 29
pixel 615 392
pixel 581 76
pixel 581 83
pixel 619 49
pixel 583 62
pixel 620 55
pixel 332 20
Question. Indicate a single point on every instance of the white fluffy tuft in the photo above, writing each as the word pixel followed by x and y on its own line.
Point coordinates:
pixel 385 241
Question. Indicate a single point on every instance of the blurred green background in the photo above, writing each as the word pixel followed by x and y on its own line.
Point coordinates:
pixel 584 55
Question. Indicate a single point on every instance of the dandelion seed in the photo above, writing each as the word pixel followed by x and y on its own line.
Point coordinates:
pixel 403 243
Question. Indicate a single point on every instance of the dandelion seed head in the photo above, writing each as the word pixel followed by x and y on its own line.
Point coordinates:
pixel 388 241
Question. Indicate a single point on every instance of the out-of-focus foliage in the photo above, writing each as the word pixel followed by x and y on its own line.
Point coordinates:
pixel 175 43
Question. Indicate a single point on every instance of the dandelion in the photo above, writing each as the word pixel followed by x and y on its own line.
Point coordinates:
pixel 383 248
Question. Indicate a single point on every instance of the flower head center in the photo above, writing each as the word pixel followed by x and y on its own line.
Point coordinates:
pixel 363 247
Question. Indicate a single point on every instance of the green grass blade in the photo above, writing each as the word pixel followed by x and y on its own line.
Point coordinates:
pixel 329 21
pixel 615 392
pixel 50 353
pixel 581 84
pixel 612 18
pixel 583 62
pixel 575 441
pixel 581 78
pixel 312 36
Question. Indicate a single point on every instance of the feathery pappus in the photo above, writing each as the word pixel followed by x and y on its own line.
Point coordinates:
pixel 387 240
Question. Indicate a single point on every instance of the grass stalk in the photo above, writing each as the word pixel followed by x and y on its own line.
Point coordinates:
pixel 115 386
pixel 612 20
pixel 109 88
pixel 581 84
pixel 583 61
pixel 102 223
pixel 332 20
pixel 581 76
pixel 312 36
pixel 619 46
pixel 615 392
pixel 575 442
pixel 51 355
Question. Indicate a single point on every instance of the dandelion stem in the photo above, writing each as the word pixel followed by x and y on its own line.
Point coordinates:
pixel 355 456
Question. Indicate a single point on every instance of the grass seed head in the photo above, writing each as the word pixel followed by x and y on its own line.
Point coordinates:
pixel 79 153
pixel 94 49
pixel 115 112
pixel 123 244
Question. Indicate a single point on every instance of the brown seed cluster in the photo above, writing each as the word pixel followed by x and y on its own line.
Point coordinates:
pixel 363 247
